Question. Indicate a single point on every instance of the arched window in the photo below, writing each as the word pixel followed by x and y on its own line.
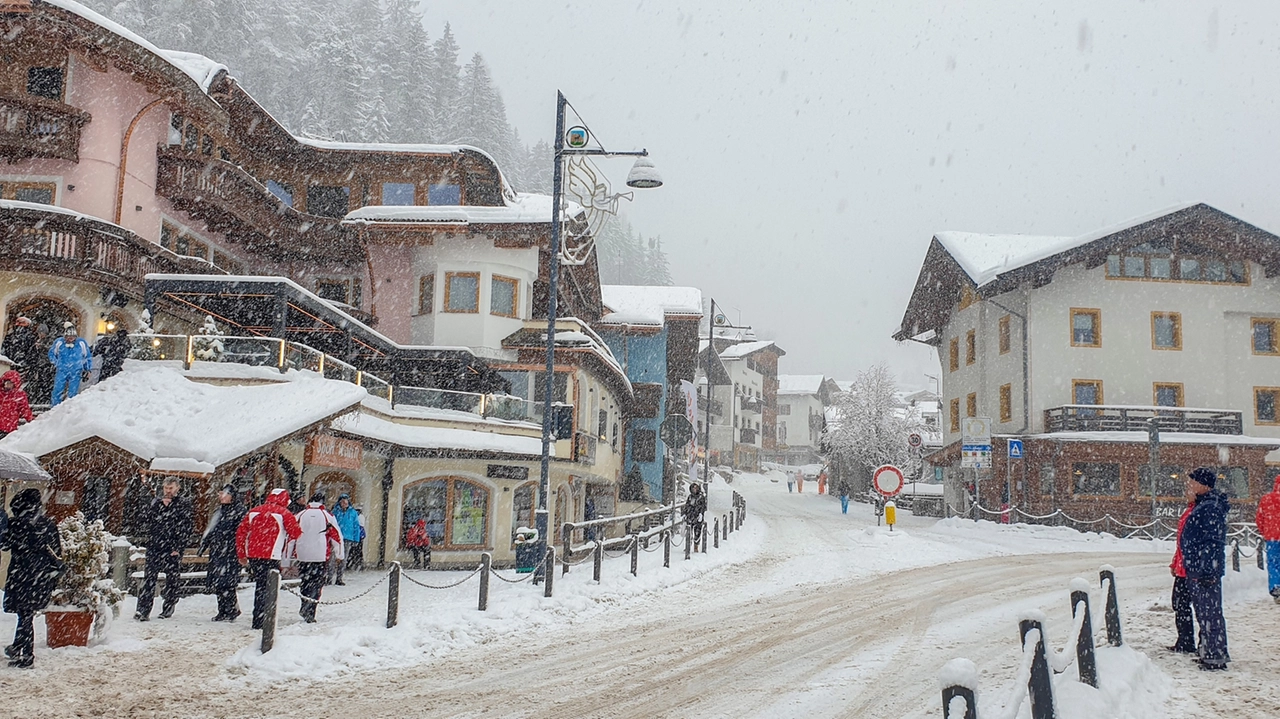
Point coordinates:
pixel 455 512
pixel 523 500
pixel 334 485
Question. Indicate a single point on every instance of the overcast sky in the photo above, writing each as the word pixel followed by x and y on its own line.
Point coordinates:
pixel 811 150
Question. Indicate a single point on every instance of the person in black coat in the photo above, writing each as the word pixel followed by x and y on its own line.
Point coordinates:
pixel 224 565
pixel 34 563
pixel 20 345
pixel 168 532
pixel 694 509
pixel 1204 541
pixel 113 349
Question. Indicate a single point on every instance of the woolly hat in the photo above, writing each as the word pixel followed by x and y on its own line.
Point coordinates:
pixel 229 489
pixel 1204 476
pixel 318 497
pixel 23 322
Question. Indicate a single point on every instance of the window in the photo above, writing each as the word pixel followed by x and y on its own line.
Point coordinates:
pixel 180 241
pixel 176 122
pixel 522 504
pixel 1167 394
pixel 1003 326
pixel 954 363
pixel 281 191
pixel 955 415
pixel 644 445
pixel 782 433
pixel 206 148
pixel 1264 336
pixel 45 82
pixel 970 347
pixel 38 192
pixel 462 292
pixel 456 512
pixel 1097 478
pixel 1234 481
pixel 560 390
pixel 784 409
pixel 426 294
pixel 1086 328
pixel 191 138
pixel 1169 481
pixel 225 261
pixel 504 296
pixel 1086 391
pixel 332 290
pixel 328 201
pixel 1265 400
pixel 397 193
pixel 602 425
pixel 967 296
pixel 1047 476
pixel 1006 403
pixel 444 195
pixel 1166 331
pixel 1162 261
pixel 971 405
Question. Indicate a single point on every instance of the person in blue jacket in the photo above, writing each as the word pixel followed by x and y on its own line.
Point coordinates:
pixel 71 357
pixel 1204 541
pixel 349 524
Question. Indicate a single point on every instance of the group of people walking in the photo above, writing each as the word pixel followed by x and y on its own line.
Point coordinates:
pixel 61 368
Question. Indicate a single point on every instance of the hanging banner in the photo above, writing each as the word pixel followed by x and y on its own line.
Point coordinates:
pixel 690 393
pixel 325 450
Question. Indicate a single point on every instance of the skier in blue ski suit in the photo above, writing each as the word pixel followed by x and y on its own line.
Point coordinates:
pixel 71 357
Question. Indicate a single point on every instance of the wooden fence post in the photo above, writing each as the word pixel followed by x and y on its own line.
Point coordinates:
pixel 393 595
pixel 959 680
pixel 269 611
pixel 635 554
pixel 1040 687
pixel 1111 613
pixel 666 548
pixel 1086 664
pixel 599 560
pixel 486 561
pixel 550 574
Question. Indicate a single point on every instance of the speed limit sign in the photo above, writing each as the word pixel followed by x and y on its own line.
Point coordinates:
pixel 888 480
pixel 914 440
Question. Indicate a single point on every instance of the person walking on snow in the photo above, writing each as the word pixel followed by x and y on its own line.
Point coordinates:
pixel 349 523
pixel 418 540
pixel 168 532
pixel 71 357
pixel 224 564
pixel 1268 520
pixel 1181 600
pixel 319 540
pixel 20 345
pixel 694 509
pixel 35 551
pixel 14 407
pixel 260 541
pixel 1204 541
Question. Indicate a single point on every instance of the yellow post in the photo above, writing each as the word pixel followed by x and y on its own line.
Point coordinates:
pixel 321 374
pixel 190 359
pixel 890 514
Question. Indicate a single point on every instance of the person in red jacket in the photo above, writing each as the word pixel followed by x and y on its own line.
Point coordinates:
pixel 261 539
pixel 14 407
pixel 1269 527
pixel 1183 618
pixel 418 540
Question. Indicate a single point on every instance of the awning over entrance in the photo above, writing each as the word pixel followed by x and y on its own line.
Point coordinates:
pixel 280 308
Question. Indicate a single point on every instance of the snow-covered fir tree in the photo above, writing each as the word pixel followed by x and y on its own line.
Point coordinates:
pixel 207 346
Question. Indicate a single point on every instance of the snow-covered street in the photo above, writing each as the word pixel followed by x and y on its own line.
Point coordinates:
pixel 804 612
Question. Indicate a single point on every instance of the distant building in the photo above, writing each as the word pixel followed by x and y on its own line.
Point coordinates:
pixel 744 399
pixel 802 404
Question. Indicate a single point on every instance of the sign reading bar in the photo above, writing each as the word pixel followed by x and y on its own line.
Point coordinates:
pixel 325 450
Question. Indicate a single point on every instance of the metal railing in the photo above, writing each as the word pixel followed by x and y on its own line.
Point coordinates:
pixel 1118 418
pixel 35 127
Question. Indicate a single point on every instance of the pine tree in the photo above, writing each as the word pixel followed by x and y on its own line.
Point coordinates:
pixel 446 88
pixel 208 346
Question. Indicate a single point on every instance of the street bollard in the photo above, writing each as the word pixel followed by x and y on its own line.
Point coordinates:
pixel 724 527
pixel 704 537
pixel 1040 687
pixel 486 561
pixel 1235 555
pixel 567 533
pixel 599 560
pixel 1111 613
pixel 666 548
pixel 733 521
pixel 635 555
pixel 1085 661
pixel 551 575
pixel 393 595
pixel 269 610
pixel 688 540
pixel 715 532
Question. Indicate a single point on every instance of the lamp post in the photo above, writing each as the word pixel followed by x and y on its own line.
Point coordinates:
pixel 642 175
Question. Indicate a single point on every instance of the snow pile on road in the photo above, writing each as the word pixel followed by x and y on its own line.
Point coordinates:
pixel 1129 685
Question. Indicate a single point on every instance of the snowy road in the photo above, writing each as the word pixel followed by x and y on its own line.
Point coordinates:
pixel 820 615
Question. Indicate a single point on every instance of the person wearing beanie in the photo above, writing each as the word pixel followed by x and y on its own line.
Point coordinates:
pixel 34 555
pixel 219 539
pixel 349 522
pixel 72 358
pixel 1203 545
pixel 320 540
pixel 261 539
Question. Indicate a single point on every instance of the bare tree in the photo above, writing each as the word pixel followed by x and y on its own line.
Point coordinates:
pixel 869 428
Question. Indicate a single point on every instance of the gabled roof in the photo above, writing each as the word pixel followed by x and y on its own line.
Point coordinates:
pixel 649 305
pixel 743 349
pixel 991 265
pixel 800 383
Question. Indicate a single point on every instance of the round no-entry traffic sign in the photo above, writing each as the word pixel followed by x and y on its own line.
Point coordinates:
pixel 888 480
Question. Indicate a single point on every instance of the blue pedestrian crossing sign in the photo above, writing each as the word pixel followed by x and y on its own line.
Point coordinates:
pixel 1015 449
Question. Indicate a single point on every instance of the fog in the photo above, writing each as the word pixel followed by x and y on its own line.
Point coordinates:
pixel 811 151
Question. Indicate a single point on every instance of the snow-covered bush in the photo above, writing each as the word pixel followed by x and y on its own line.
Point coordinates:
pixel 869 428
pixel 86 550
pixel 207 345
pixel 144 344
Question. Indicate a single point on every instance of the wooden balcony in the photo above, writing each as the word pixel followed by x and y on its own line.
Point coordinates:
pixel 234 203
pixel 1119 418
pixel 35 127
pixel 56 242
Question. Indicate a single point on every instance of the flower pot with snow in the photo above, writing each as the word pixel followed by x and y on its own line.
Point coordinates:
pixel 82 602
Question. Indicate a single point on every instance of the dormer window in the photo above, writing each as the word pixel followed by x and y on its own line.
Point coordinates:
pixel 444 195
pixel 397 193
pixel 45 82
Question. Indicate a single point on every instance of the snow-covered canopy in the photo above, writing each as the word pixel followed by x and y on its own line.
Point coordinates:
pixel 154 410
pixel 648 305
pixel 800 383
pixel 446 438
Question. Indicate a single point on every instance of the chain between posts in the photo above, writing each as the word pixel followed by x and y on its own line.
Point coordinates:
pixel 525 578
pixel 339 601
pixel 473 573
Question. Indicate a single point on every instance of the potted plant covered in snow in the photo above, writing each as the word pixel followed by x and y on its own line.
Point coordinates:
pixel 83 599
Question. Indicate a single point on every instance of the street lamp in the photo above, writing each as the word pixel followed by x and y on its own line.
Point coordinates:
pixel 643 175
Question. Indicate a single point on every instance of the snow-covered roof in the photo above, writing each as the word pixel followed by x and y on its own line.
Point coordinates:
pixel 800 383
pixel 396 147
pixel 424 437
pixel 523 207
pixel 154 410
pixel 1165 438
pixel 743 349
pixel 648 305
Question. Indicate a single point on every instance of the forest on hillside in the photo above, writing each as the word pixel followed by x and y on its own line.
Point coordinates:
pixel 368 71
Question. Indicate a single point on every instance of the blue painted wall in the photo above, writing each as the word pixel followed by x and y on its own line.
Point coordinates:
pixel 645 358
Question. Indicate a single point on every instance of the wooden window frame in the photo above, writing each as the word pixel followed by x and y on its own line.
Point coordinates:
pixel 953 362
pixel 515 296
pixel 971 404
pixel 1175 269
pixel 955 414
pixel 1177 331
pixel 1077 382
pixel 1275 401
pixel 1005 335
pixel 1275 337
pixel 382 192
pixel 427 294
pixel 1006 403
pixel 970 347
pixel 11 187
pixel 335 281
pixel 1155 393
pixel 1097 326
pixel 450 496
pixel 448 287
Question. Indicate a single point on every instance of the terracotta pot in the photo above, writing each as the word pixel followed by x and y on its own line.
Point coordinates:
pixel 68 628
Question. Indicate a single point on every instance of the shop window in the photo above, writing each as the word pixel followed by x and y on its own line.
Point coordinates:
pixel 1169 481
pixel 955 415
pixel 328 201
pixel 954 359
pixel 1097 478
pixel 1086 391
pixel 1004 334
pixel 644 445
pixel 1264 336
pixel 1265 400
pixel 1167 394
pixel 1166 331
pixel 426 294
pixel 1086 328
pixel 462 292
pixel 504 296
pixel 281 191
pixel 971 405
pixel 455 510
pixel 970 347
pixel 1233 481
pixel 41 193
pixel 445 194
pixel 522 506
pixel 1047 477
pixel 1006 403
pixel 397 193
pixel 45 82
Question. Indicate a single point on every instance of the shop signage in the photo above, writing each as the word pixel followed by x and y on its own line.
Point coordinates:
pixel 506 471
pixel 325 450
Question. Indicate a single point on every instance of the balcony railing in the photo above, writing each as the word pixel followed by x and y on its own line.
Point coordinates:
pixel 748 436
pixel 234 203
pixel 35 127
pixel 1118 418
pixel 56 242
pixel 752 404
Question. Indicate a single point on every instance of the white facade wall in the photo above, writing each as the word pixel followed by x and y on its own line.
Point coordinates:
pixel 801 431
pixel 479 330
pixel 747 382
